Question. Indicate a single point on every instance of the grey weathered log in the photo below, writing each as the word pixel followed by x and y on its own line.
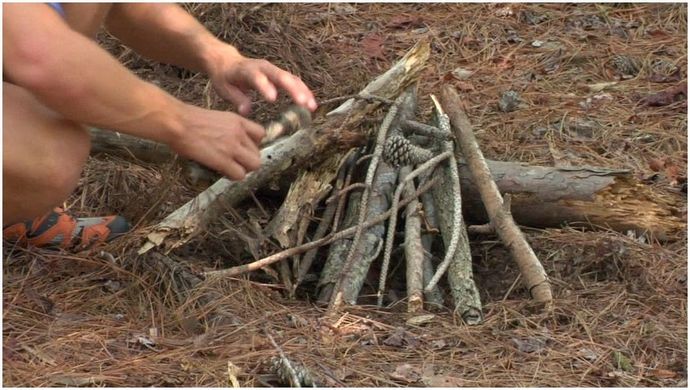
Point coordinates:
pixel 372 238
pixel 337 251
pixel 587 197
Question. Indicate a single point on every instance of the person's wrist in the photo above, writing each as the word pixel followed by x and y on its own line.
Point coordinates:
pixel 175 121
pixel 218 56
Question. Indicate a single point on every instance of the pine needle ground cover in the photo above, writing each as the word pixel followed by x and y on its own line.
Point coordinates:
pixel 545 84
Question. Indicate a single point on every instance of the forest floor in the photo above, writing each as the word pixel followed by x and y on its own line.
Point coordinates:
pixel 620 300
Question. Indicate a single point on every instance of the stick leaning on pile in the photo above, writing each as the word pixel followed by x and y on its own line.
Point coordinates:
pixel 531 269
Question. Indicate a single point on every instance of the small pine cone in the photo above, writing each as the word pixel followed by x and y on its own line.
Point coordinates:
pixel 662 67
pixel 626 66
pixel 291 120
pixel 399 151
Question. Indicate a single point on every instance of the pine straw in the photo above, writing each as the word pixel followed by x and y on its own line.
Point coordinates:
pixel 76 319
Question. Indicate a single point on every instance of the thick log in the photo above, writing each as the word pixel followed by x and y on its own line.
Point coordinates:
pixel 587 197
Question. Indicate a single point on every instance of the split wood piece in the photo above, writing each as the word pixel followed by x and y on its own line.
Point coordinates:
pixel 306 192
pixel 368 247
pixel 448 200
pixel 297 151
pixel 338 250
pixel 433 297
pixel 326 219
pixel 531 269
pixel 414 251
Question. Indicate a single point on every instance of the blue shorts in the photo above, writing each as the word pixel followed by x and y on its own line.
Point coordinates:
pixel 58 8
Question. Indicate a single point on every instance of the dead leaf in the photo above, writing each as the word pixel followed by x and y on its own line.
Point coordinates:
pixel 529 345
pixel 406 21
pixel 598 87
pixel 656 164
pixel 672 173
pixel 407 373
pixel 401 338
pixel 462 73
pixel 372 46
pixel 658 33
pixel 438 344
pixel 662 78
pixel 443 381
pixel 504 11
pixel 662 374
pixel 396 339
pixel 667 96
pixel 464 86
pixel 420 320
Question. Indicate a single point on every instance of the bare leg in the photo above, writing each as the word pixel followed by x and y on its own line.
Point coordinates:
pixel 43 156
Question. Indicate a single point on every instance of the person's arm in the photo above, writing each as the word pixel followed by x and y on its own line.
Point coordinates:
pixel 76 78
pixel 167 33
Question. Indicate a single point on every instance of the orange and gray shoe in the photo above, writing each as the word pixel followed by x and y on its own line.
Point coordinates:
pixel 59 229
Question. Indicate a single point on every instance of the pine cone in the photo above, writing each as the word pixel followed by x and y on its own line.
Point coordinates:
pixel 663 67
pixel 399 151
pixel 626 66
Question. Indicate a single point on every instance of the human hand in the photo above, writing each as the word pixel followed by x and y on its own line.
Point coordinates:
pixel 222 141
pixel 233 75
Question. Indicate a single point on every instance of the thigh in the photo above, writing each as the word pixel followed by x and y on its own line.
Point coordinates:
pixel 43 155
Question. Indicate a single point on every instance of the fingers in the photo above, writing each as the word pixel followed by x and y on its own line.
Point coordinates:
pixel 236 97
pixel 234 171
pixel 293 85
pixel 255 131
pixel 249 157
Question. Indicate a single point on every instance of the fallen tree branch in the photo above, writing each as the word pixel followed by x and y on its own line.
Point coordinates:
pixel 531 269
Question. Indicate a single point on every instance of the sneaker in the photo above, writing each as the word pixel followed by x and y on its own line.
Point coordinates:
pixel 59 229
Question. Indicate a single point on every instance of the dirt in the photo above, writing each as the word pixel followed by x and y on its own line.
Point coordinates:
pixel 106 317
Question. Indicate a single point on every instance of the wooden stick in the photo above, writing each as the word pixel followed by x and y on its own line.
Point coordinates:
pixel 532 271
pixel 414 252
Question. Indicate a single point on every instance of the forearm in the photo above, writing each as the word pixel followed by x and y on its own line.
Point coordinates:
pixel 84 83
pixel 166 33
